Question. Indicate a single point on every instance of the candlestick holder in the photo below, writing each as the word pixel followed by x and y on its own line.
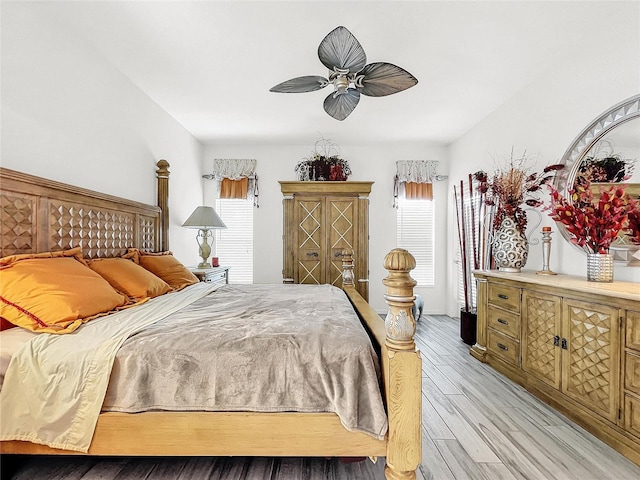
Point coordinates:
pixel 546 252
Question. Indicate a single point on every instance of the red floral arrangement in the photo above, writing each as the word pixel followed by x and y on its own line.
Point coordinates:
pixel 633 219
pixel 594 223
pixel 512 188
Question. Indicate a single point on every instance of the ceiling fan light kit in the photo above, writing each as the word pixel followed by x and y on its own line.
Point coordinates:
pixel 349 74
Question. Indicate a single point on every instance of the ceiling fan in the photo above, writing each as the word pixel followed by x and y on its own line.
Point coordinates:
pixel 349 74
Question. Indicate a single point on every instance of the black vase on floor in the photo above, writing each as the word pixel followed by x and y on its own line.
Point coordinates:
pixel 468 324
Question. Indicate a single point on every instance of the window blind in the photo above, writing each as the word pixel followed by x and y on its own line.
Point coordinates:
pixel 414 227
pixel 234 244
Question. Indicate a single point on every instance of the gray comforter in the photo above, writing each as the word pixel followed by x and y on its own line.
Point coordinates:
pixel 265 348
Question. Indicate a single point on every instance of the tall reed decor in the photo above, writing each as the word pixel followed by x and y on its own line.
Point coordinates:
pixel 475 251
pixel 594 222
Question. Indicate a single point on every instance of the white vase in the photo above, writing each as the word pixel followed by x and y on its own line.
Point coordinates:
pixel 600 267
pixel 510 247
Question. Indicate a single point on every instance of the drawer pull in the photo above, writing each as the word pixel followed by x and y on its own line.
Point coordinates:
pixel 503 296
pixel 504 322
pixel 502 347
pixel 312 254
pixel 556 340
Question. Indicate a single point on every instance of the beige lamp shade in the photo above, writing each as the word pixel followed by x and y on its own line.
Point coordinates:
pixel 204 218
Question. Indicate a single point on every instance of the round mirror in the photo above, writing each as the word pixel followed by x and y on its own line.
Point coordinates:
pixel 607 152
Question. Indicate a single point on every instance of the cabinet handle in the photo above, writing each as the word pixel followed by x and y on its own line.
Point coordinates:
pixel 556 340
pixel 312 254
pixel 564 343
pixel 503 296
pixel 338 254
pixel 504 322
pixel 502 347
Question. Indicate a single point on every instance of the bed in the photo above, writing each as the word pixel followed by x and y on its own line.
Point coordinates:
pixel 40 215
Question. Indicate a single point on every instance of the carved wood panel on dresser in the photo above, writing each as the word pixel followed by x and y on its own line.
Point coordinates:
pixel 320 220
pixel 573 343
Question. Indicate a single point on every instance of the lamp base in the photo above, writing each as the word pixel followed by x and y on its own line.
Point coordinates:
pixel 204 265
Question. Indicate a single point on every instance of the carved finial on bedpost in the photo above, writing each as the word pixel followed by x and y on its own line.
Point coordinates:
pixel 347 267
pixel 402 370
pixel 400 324
pixel 163 202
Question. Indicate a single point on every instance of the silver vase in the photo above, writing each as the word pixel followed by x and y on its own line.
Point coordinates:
pixel 600 267
pixel 510 247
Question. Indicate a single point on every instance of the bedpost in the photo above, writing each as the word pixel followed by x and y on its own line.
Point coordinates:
pixel 347 267
pixel 163 202
pixel 403 366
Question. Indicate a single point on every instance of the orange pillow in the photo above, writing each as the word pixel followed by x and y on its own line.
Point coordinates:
pixel 165 266
pixel 131 279
pixel 53 292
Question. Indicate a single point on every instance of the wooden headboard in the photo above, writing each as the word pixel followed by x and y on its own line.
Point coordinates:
pixel 40 215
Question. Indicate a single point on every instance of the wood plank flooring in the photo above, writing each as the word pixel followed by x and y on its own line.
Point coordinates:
pixel 476 424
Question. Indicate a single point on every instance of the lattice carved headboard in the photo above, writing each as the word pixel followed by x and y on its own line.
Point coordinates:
pixel 40 215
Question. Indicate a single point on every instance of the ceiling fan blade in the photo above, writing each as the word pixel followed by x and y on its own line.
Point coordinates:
pixel 381 79
pixel 339 106
pixel 309 83
pixel 341 49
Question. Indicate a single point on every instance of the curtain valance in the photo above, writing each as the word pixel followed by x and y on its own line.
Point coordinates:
pixel 235 178
pixel 233 168
pixel 413 180
pixel 416 171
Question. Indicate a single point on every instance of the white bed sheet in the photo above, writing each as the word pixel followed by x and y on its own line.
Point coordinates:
pixel 11 341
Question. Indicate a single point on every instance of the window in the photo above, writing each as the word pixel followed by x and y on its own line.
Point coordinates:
pixel 234 244
pixel 414 226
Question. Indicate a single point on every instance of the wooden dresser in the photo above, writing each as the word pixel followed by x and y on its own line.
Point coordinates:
pixel 574 344
pixel 320 219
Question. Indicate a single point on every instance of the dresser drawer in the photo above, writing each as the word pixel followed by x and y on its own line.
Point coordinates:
pixel 504 297
pixel 632 373
pixel 504 321
pixel 633 330
pixel 504 347
pixel 632 414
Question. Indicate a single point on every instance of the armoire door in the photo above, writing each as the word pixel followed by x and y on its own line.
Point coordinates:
pixel 342 230
pixel 309 241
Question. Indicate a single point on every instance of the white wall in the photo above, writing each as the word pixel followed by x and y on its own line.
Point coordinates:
pixel 69 115
pixel 367 163
pixel 545 118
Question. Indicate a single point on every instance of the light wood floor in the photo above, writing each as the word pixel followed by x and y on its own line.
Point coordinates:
pixel 476 425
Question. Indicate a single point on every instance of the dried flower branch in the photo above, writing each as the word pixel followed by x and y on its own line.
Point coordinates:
pixel 593 223
pixel 511 188
pixel 633 222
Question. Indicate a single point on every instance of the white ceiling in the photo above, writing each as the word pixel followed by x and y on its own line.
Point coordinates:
pixel 210 64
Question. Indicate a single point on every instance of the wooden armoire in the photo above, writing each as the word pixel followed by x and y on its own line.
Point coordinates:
pixel 321 219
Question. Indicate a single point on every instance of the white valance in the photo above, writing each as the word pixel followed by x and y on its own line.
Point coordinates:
pixel 233 168
pixel 416 171
pixel 236 169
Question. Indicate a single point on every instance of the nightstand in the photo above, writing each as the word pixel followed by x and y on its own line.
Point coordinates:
pixel 211 275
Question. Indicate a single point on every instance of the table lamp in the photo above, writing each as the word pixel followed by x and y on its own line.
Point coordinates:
pixel 204 219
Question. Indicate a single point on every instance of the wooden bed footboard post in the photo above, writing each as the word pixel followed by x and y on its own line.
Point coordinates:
pixel 403 367
pixel 347 267
pixel 163 202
